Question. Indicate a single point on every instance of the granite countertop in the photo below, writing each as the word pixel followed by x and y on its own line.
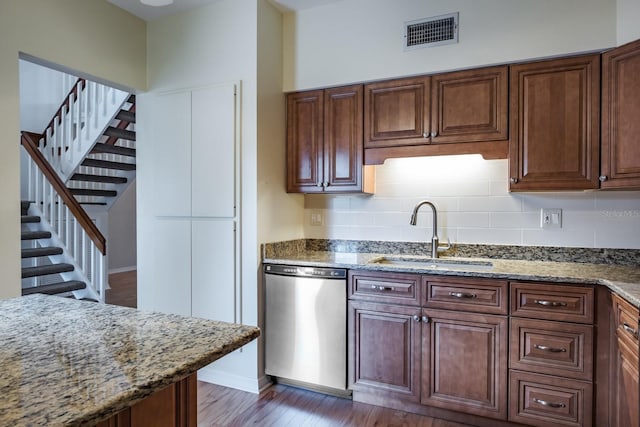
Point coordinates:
pixel 624 280
pixel 69 362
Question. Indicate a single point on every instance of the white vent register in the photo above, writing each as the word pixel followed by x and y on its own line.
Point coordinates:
pixel 434 31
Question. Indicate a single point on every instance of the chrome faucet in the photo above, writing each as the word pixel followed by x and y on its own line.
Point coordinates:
pixel 435 242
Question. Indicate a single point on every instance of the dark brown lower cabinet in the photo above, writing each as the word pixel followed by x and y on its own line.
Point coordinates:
pixel 625 395
pixel 384 349
pixel 464 358
pixel 172 406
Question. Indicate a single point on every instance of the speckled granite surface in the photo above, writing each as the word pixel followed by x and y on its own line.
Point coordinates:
pixel 68 362
pixel 623 278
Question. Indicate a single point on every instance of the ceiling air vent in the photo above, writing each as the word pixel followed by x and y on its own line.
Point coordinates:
pixel 434 31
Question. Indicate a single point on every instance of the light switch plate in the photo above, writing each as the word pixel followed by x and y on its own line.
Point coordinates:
pixel 551 218
pixel 317 218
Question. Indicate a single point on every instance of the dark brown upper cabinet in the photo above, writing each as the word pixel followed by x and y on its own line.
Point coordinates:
pixel 554 114
pixel 620 166
pixel 451 113
pixel 324 142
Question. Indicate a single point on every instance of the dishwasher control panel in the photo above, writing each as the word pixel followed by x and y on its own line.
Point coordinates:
pixel 301 271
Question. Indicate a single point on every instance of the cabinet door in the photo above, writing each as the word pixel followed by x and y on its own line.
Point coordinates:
pixel 164 280
pixel 213 152
pixel 620 112
pixel 343 139
pixel 470 106
pixel 554 113
pixel 397 112
pixel 464 362
pixel 384 349
pixel 213 264
pixel 626 396
pixel 169 161
pixel 305 142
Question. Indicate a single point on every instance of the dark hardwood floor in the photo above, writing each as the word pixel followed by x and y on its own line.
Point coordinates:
pixel 282 405
pixel 123 289
pixel 279 405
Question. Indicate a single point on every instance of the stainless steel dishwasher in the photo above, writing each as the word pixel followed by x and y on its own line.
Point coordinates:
pixel 306 327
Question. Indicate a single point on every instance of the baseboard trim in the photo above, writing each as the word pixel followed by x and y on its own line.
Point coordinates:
pixel 123 269
pixel 214 376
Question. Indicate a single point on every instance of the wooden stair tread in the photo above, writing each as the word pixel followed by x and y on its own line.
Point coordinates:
pixel 44 270
pixel 34 235
pixel 93 192
pixel 99 178
pixel 120 133
pixel 114 149
pixel 55 288
pixel 24 219
pixel 95 163
pixel 126 116
pixel 38 252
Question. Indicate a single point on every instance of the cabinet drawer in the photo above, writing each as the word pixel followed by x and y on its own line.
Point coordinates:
pixel 626 322
pixel 552 302
pixel 477 295
pixel 541 400
pixel 385 287
pixel 554 348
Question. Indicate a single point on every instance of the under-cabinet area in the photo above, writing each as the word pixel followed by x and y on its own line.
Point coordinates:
pixel 492 352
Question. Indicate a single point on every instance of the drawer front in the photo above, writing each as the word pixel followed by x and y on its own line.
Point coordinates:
pixel 626 322
pixel 544 401
pixel 553 348
pixel 385 287
pixel 566 303
pixel 476 295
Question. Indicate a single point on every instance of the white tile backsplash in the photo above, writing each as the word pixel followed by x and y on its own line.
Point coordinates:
pixel 474 206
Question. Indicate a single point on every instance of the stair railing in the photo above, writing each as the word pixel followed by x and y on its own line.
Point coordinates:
pixel 81 119
pixel 78 234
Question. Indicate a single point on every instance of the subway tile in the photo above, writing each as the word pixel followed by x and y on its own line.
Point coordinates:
pixel 465 219
pixel 559 237
pixel 489 236
pixel 490 204
pixel 520 220
pixel 574 201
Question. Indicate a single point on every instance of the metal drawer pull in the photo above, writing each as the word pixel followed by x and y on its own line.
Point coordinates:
pixel 550 303
pixel 629 329
pixel 550 349
pixel 461 295
pixel 383 288
pixel 549 404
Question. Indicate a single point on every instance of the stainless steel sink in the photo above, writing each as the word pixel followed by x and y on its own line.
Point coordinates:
pixel 431 263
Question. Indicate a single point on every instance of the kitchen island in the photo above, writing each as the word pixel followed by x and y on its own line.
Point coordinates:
pixel 68 362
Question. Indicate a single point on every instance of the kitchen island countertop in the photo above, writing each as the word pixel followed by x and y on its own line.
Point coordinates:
pixel 69 362
pixel 623 280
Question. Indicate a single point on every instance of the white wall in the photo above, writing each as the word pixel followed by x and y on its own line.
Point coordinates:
pixel 360 40
pixel 474 207
pixel 628 14
pixel 79 35
pixel 121 242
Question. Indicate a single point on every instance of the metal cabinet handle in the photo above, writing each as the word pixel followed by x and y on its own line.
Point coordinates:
pixel 461 295
pixel 549 404
pixel 434 134
pixel 425 135
pixel 550 349
pixel 514 180
pixel 547 303
pixel 416 317
pixel 603 178
pixel 383 288
pixel 629 329
pixel 425 319
pixel 326 184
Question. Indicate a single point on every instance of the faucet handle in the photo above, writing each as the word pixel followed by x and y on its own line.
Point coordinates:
pixel 442 248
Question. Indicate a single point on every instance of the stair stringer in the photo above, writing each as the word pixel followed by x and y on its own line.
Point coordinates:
pixel 77 273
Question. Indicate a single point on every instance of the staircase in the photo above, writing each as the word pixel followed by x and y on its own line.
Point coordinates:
pixel 63 252
pixel 41 262
pixel 110 165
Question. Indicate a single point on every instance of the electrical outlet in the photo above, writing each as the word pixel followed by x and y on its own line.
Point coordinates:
pixel 316 218
pixel 550 218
